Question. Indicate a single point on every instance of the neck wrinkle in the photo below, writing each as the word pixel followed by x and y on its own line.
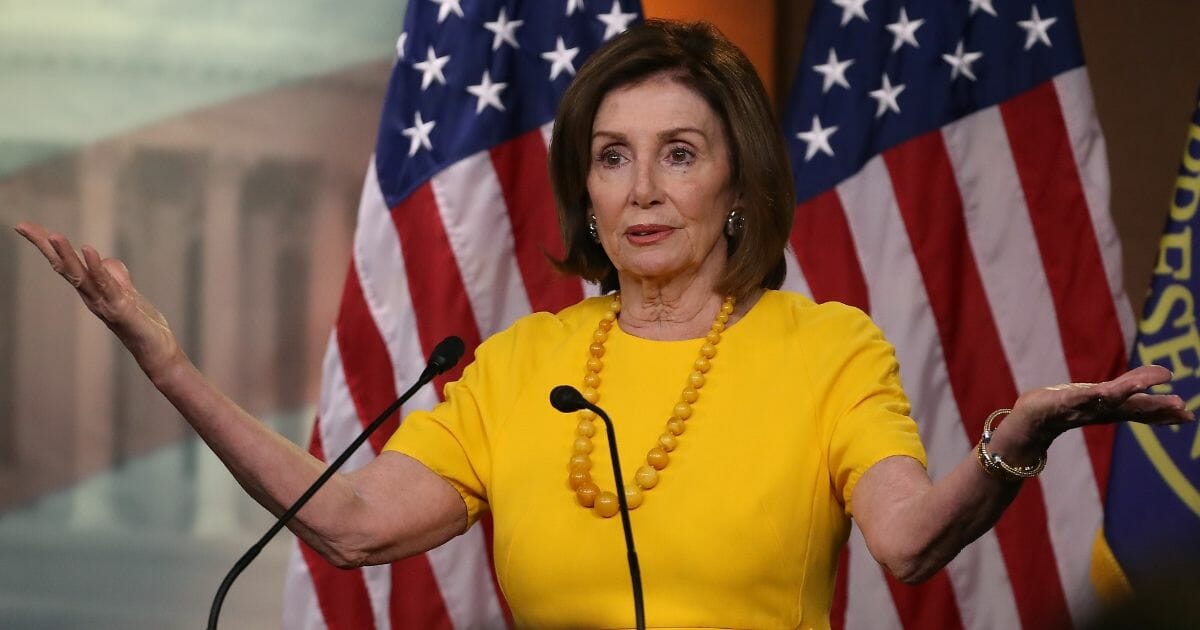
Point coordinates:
pixel 689 316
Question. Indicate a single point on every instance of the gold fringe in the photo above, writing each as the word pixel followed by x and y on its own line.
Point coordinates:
pixel 1108 578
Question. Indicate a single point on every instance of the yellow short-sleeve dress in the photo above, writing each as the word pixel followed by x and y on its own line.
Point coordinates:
pixel 744 527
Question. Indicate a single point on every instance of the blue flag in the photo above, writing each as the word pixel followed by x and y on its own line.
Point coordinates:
pixel 1152 514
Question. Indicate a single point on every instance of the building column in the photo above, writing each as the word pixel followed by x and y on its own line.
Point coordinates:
pixel 218 497
pixel 329 244
pixel 92 507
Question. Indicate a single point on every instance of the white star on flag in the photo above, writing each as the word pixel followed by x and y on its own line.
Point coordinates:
pixel 960 62
pixel 1035 29
pixel 615 22
pixel 904 31
pixel 817 139
pixel 431 68
pixel 504 30
pixel 400 45
pixel 852 9
pixel 834 71
pixel 560 59
pixel 985 5
pixel 446 7
pixel 886 96
pixel 487 92
pixel 418 134
pixel 574 4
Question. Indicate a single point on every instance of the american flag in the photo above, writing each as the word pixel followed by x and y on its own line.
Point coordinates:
pixel 455 216
pixel 952 182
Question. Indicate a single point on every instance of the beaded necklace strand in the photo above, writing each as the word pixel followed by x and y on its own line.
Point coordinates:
pixel 604 502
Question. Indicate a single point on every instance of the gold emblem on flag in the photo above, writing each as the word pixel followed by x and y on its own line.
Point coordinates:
pixel 1172 323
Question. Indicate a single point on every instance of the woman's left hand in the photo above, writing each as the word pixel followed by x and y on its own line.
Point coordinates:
pixel 1045 413
pixel 914 526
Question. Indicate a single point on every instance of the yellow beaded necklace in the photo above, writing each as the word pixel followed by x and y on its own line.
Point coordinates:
pixel 579 477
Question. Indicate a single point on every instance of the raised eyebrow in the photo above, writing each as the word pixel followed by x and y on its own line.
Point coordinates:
pixel 675 131
pixel 608 135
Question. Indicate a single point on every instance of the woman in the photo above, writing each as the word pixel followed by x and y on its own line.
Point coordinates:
pixel 767 421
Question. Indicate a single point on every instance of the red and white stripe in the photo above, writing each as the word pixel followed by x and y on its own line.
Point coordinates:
pixel 989 238
pixel 480 267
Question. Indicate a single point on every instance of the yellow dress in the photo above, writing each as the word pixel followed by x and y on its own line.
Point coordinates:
pixel 744 527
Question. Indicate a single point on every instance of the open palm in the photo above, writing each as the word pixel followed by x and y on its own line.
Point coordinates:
pixel 106 288
pixel 1053 410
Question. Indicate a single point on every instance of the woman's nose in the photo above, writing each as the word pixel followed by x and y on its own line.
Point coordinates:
pixel 646 190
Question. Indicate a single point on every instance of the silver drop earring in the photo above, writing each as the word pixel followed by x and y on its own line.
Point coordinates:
pixel 735 223
pixel 593 231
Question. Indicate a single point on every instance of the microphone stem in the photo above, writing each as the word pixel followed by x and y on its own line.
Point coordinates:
pixel 635 571
pixel 286 517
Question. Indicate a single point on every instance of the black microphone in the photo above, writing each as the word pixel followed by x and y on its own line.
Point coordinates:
pixel 568 399
pixel 444 356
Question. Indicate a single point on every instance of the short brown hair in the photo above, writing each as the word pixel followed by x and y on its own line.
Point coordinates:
pixel 698 56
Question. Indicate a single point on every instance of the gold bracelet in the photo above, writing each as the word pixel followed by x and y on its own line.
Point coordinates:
pixel 995 466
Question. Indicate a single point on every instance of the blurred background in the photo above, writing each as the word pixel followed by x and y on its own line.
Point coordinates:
pixel 219 148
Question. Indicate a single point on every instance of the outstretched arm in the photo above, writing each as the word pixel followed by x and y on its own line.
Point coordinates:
pixel 391 508
pixel 914 526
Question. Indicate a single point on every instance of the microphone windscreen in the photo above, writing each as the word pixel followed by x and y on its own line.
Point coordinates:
pixel 567 399
pixel 446 354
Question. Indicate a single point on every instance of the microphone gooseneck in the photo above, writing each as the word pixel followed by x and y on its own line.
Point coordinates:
pixel 443 357
pixel 567 399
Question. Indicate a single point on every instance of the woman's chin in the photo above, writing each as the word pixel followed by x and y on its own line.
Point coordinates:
pixel 657 272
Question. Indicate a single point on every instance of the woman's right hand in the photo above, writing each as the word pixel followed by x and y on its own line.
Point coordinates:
pixel 391 508
pixel 105 287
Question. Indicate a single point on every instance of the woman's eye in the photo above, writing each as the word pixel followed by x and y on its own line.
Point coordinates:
pixel 679 155
pixel 610 158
